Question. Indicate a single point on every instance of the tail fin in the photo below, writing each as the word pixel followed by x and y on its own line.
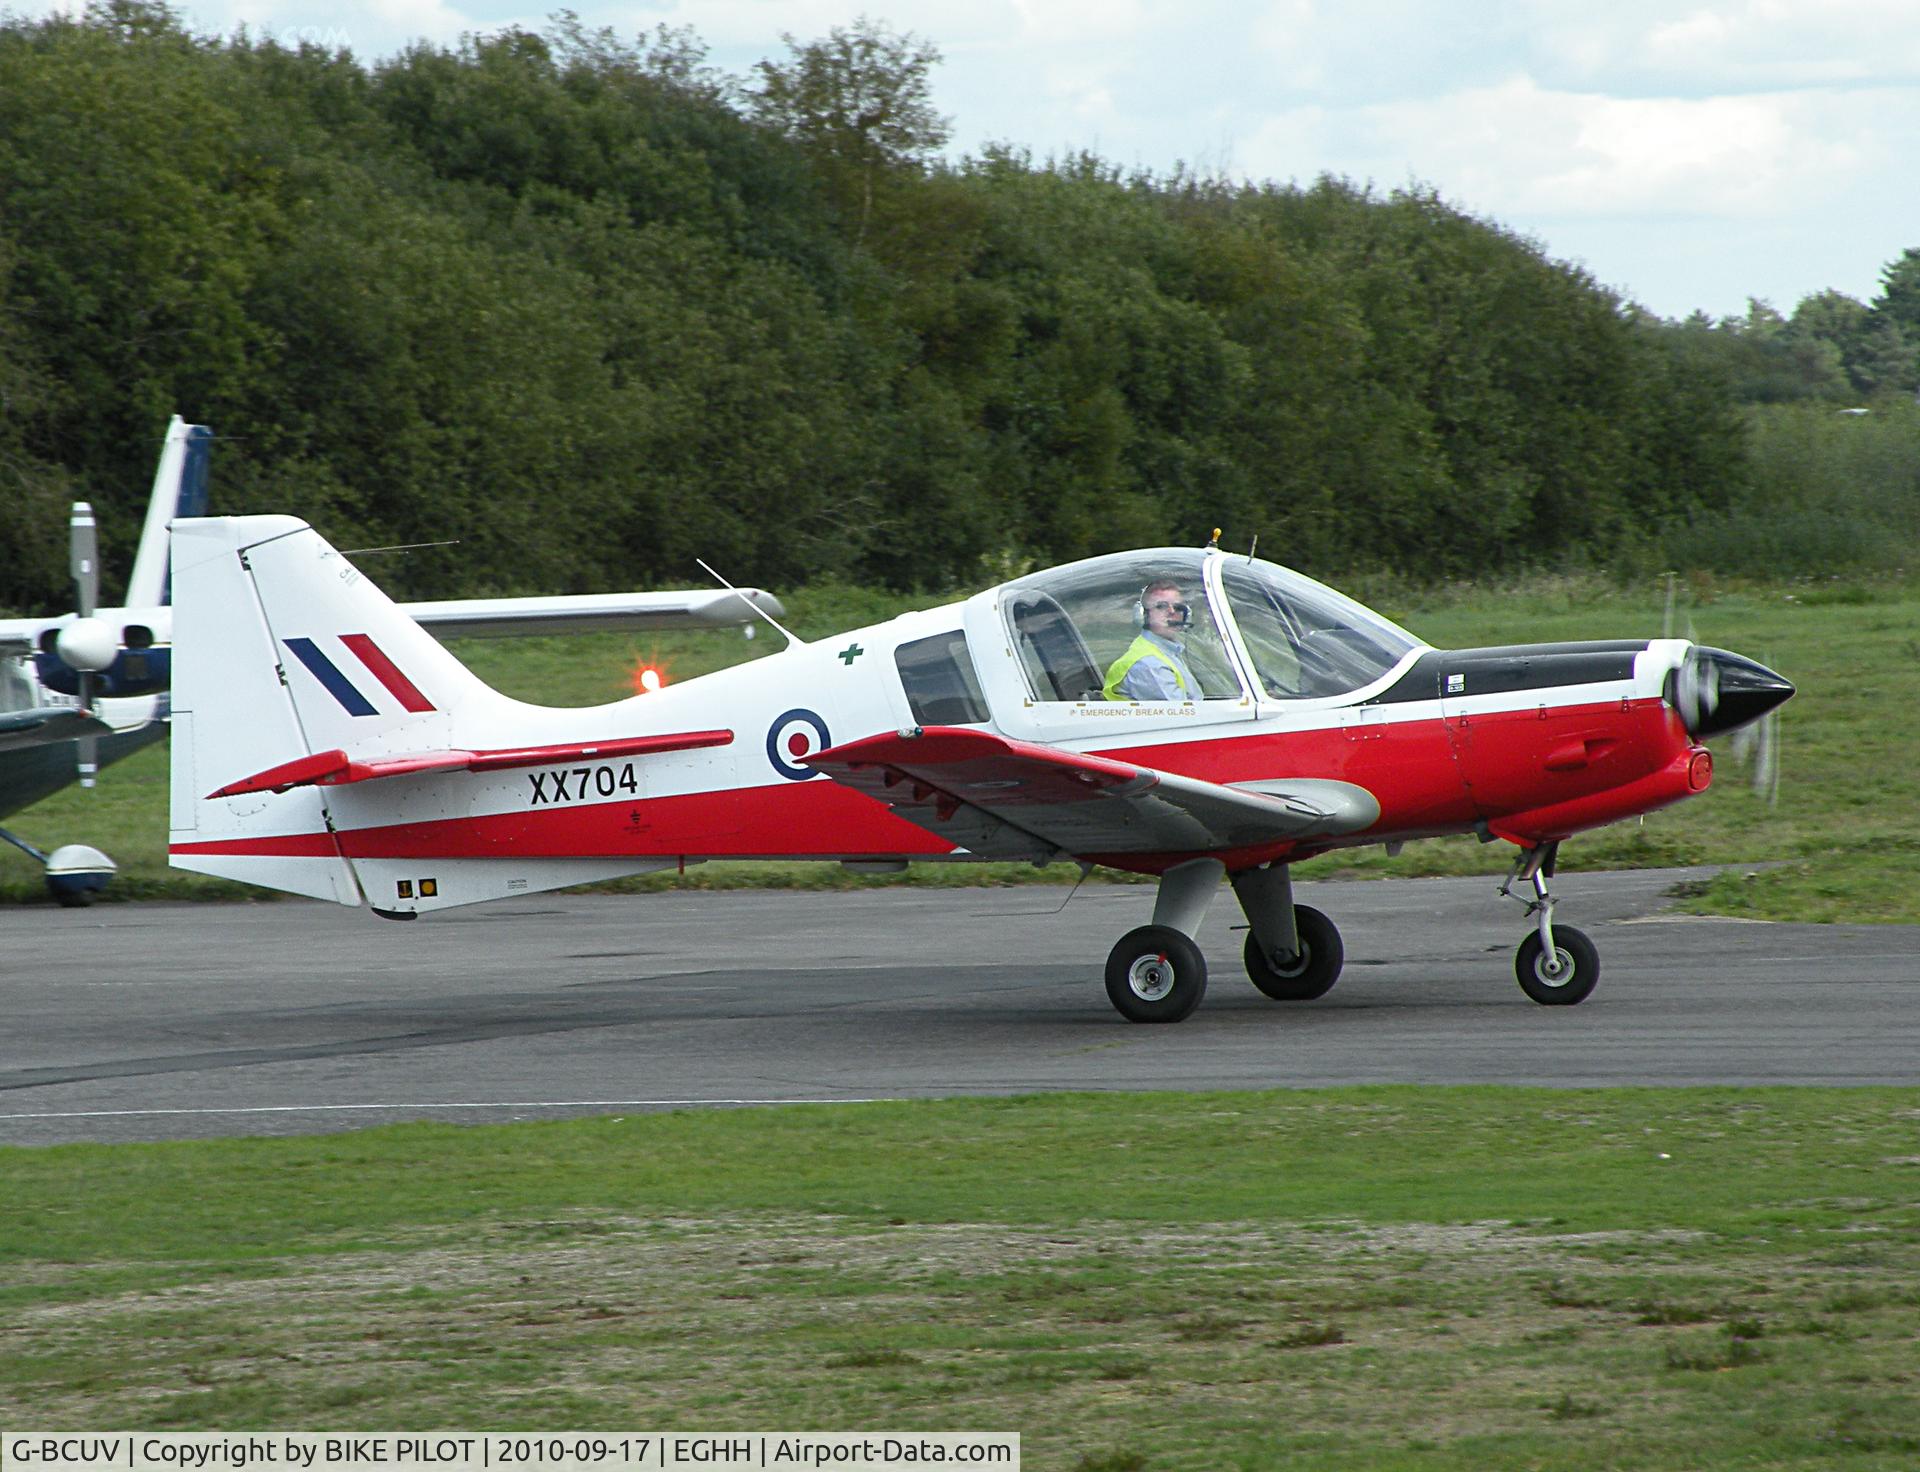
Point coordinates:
pixel 179 490
pixel 283 650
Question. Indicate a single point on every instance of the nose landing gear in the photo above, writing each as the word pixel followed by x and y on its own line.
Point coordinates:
pixel 1557 966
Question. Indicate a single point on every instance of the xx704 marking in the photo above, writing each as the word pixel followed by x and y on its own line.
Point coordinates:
pixel 601 781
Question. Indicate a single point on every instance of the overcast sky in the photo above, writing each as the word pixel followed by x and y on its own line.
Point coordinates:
pixel 1687 155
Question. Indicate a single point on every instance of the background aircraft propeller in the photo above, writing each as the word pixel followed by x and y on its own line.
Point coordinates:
pixel 87 644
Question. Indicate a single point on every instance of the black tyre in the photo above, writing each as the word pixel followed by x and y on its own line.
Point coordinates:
pixel 1155 975
pixel 1571 976
pixel 1309 974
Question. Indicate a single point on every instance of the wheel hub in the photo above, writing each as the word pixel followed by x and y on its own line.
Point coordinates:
pixel 1553 970
pixel 1150 977
pixel 1287 965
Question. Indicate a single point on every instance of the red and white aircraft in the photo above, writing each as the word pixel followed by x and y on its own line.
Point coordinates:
pixel 324 744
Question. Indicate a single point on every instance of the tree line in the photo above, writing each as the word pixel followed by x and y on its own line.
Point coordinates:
pixel 595 308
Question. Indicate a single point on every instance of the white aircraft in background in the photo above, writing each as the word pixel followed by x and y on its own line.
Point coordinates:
pixel 82 690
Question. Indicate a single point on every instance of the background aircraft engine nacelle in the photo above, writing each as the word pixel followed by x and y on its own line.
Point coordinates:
pixel 88 644
pixel 127 672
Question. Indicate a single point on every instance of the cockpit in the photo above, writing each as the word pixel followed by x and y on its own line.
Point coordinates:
pixel 1243 626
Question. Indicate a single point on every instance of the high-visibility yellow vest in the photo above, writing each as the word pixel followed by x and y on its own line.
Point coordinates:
pixel 1141 648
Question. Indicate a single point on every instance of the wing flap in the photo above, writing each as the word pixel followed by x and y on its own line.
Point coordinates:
pixel 1001 798
pixel 335 768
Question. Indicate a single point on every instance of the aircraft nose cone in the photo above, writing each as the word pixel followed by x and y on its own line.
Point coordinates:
pixel 1716 691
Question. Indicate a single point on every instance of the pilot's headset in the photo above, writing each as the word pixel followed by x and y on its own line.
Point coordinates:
pixel 1183 622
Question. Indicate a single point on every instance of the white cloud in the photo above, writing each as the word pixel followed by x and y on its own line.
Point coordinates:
pixel 1518 148
pixel 1723 44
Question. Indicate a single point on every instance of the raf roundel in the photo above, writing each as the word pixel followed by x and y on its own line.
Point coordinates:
pixel 791 738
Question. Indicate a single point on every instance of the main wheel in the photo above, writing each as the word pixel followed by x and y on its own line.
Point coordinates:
pixel 1312 971
pixel 1155 975
pixel 1568 977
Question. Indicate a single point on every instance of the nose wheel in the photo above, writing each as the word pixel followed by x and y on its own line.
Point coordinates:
pixel 1564 976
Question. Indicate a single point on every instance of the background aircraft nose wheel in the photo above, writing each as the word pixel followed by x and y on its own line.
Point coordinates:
pixel 1570 975
pixel 1308 974
pixel 1155 974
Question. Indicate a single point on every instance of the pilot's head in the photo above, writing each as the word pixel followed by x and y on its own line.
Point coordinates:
pixel 1165 610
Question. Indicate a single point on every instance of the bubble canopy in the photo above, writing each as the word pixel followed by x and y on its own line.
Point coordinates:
pixel 1250 622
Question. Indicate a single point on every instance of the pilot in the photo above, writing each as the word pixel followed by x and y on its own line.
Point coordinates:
pixel 1154 668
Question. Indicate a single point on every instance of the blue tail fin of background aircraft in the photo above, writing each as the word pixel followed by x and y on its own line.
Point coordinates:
pixel 179 490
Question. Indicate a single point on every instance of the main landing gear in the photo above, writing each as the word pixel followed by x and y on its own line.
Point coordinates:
pixel 1556 965
pixel 1157 973
pixel 74 873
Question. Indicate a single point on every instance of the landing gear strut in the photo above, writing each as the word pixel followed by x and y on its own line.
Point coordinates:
pixel 1293 952
pixel 1556 965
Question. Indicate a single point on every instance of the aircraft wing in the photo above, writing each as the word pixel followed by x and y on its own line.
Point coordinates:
pixel 46 725
pixel 1001 798
pixel 460 618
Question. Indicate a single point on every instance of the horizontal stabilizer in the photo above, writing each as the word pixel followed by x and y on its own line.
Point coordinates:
pixel 335 768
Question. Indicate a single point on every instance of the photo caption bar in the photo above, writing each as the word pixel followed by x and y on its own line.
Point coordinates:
pixel 492 1451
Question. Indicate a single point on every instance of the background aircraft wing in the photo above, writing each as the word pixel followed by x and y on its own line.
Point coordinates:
pixel 589 612
pixel 1014 799
pixel 47 725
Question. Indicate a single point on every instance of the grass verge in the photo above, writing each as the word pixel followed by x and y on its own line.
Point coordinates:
pixel 1357 1278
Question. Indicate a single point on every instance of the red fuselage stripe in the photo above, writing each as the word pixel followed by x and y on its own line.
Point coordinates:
pixel 283 846
pixel 1429 775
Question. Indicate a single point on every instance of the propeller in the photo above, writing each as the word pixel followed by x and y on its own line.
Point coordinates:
pixel 1719 693
pixel 87 644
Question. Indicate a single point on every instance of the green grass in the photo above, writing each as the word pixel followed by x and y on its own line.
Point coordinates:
pixel 1355 1278
pixel 1843 843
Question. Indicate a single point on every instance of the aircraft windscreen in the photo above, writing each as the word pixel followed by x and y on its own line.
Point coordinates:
pixel 1074 626
pixel 1308 641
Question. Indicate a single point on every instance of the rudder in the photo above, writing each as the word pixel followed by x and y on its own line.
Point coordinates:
pixel 283 649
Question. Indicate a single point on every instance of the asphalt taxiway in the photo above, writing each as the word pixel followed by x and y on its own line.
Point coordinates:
pixel 146 1022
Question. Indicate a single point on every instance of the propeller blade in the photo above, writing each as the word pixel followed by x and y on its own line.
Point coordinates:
pixel 1757 747
pixel 1766 771
pixel 83 541
pixel 84 545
